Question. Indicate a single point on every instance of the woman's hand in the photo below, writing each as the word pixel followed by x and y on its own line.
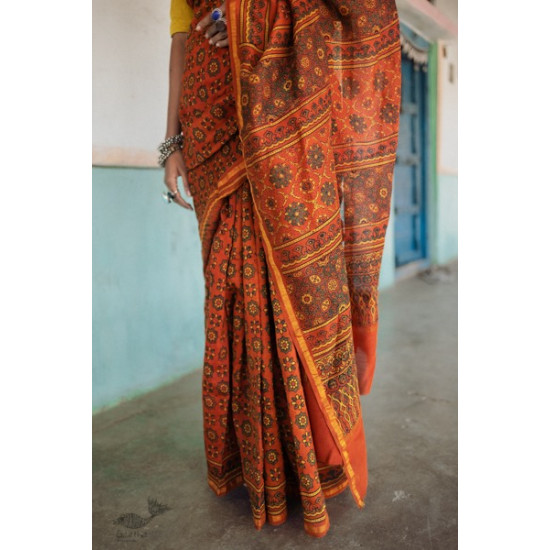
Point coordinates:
pixel 173 168
pixel 212 29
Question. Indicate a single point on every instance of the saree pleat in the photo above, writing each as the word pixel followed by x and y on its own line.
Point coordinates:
pixel 290 143
pixel 256 421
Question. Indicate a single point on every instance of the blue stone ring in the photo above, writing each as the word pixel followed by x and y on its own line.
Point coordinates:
pixel 169 196
pixel 216 14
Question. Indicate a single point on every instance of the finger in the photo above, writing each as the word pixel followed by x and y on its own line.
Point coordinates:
pixel 210 30
pixel 214 29
pixel 182 173
pixel 223 43
pixel 185 184
pixel 207 21
pixel 204 23
pixel 172 183
pixel 218 37
pixel 178 199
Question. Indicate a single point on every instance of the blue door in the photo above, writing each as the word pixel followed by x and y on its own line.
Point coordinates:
pixel 411 165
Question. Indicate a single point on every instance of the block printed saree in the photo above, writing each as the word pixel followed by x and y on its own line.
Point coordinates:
pixel 290 140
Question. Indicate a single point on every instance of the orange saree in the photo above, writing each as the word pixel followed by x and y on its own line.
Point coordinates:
pixel 290 139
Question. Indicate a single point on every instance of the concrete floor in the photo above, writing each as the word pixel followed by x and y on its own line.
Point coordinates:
pixel 153 447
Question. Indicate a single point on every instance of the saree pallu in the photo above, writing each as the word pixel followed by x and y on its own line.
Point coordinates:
pixel 290 140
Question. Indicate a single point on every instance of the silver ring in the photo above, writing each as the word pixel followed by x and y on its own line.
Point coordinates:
pixel 169 196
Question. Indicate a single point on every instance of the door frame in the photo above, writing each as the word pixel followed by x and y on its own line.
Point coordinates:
pixel 420 50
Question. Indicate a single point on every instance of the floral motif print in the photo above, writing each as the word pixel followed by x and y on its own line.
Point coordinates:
pixel 350 87
pixel 296 213
pixel 280 176
pixel 328 193
pixel 390 113
pixel 380 80
pixel 315 157
pixel 357 123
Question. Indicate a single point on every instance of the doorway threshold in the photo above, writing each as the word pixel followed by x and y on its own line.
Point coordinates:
pixel 411 269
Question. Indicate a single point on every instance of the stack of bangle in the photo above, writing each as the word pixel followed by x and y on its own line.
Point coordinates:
pixel 169 146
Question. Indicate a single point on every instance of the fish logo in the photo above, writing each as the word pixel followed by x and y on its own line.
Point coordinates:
pixel 135 521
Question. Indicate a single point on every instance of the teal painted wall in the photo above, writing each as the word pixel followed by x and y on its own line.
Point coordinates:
pixel 148 287
pixel 442 188
pixel 387 271
pixel 447 218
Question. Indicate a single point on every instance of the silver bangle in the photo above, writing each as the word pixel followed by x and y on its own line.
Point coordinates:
pixel 169 146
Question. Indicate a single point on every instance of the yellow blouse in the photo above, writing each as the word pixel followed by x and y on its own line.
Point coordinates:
pixel 181 15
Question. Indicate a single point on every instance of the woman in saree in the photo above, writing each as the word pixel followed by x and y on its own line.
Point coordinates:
pixel 282 125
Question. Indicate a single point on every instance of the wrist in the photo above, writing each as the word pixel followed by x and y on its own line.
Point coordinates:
pixel 172 131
